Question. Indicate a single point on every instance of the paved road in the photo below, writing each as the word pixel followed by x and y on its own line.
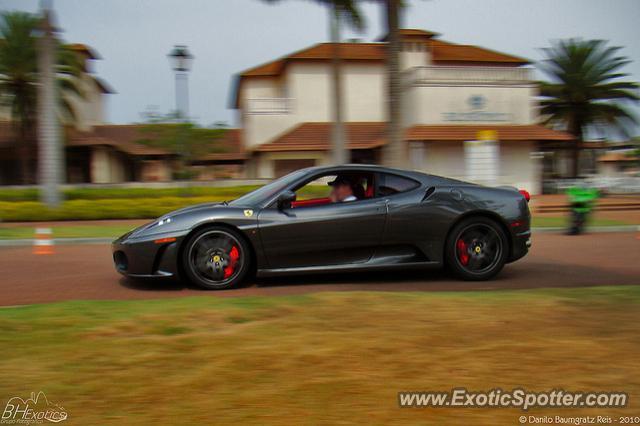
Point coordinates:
pixel 85 272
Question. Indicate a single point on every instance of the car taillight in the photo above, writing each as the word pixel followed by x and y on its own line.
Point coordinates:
pixel 525 194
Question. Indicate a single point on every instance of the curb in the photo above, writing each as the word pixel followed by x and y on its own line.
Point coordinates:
pixel 549 230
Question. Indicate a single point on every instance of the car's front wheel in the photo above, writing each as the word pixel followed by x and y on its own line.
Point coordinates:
pixel 476 249
pixel 216 258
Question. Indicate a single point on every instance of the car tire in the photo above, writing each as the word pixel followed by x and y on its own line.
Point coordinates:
pixel 476 249
pixel 216 258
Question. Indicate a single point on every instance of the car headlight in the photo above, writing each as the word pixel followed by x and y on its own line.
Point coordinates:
pixel 163 221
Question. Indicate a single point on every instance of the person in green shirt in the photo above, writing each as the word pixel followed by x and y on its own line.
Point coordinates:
pixel 582 201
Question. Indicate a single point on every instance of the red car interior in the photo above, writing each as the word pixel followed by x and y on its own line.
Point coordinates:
pixel 311 202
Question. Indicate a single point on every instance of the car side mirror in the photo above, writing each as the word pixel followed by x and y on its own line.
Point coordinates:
pixel 285 199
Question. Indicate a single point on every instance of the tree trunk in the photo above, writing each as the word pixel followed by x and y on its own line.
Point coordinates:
pixel 339 150
pixel 395 152
pixel 50 151
pixel 23 153
pixel 575 128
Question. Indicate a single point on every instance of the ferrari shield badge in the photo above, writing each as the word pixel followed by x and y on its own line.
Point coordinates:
pixel 248 213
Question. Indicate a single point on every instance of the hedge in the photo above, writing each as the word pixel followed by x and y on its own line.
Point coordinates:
pixel 31 194
pixel 21 205
pixel 147 208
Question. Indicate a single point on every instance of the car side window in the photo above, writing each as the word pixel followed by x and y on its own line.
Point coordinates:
pixel 317 188
pixel 391 184
pixel 317 191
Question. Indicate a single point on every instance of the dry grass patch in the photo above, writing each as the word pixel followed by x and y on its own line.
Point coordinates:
pixel 324 358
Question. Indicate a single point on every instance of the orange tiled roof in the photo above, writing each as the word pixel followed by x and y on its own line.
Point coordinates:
pixel 347 51
pixel 232 148
pixel 417 32
pixel 316 137
pixel 322 51
pixel 231 141
pixel 444 51
pixel 126 137
pixel 615 157
pixel 506 132
pixel 126 146
pixel 265 70
pixel 412 33
pixel 366 135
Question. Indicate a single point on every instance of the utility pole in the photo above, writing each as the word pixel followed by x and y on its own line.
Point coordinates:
pixel 181 61
pixel 50 150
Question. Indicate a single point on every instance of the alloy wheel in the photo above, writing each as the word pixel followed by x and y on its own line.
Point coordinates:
pixel 216 257
pixel 478 248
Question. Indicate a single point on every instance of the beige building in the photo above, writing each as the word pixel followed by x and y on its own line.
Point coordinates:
pixel 453 94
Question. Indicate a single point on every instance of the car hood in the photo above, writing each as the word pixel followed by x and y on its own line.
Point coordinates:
pixel 178 220
pixel 195 208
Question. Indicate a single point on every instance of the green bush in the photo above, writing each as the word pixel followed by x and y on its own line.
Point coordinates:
pixel 112 193
pixel 18 194
pixel 147 208
pixel 131 203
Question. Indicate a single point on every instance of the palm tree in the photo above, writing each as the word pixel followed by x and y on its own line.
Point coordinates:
pixel 19 80
pixel 395 150
pixel 585 89
pixel 338 10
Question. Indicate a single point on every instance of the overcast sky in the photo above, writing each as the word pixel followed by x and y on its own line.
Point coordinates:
pixel 227 36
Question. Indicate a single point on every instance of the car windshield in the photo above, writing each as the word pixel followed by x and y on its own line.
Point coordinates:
pixel 264 193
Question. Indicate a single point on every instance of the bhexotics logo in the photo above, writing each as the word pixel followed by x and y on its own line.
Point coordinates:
pixel 35 409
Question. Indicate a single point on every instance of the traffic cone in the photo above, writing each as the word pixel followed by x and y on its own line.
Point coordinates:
pixel 43 243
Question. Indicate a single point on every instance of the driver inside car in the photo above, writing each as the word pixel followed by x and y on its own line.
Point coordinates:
pixel 341 190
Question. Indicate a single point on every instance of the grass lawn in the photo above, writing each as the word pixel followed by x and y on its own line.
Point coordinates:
pixel 64 231
pixel 320 358
pixel 562 221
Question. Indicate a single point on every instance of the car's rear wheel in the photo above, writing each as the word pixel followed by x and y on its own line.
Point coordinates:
pixel 216 258
pixel 476 249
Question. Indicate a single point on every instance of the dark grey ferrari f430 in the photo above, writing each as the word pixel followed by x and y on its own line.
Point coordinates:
pixel 335 219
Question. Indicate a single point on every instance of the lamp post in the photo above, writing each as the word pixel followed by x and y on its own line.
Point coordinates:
pixel 181 60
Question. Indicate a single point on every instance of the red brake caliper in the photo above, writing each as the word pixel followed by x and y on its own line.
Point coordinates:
pixel 234 255
pixel 462 252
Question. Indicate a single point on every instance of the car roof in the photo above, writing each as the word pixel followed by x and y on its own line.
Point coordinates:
pixel 367 167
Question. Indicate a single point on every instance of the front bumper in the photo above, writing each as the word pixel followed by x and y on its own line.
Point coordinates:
pixel 154 256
